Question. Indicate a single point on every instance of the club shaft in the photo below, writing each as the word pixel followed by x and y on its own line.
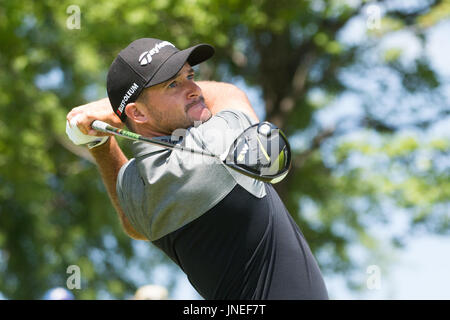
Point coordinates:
pixel 106 128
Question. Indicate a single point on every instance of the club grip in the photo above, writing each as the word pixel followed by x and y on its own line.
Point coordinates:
pixel 100 126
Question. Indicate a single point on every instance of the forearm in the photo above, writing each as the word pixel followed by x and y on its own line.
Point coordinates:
pixel 220 95
pixel 110 158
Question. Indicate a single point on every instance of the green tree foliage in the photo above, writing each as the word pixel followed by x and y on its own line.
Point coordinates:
pixel 54 211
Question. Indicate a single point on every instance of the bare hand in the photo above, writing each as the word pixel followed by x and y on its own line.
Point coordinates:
pixel 97 110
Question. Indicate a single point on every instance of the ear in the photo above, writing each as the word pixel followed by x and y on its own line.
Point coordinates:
pixel 134 113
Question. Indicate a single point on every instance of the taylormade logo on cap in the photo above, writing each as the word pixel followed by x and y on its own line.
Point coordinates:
pixel 146 57
pixel 126 97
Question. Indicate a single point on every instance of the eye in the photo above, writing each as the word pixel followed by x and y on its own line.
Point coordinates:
pixel 173 84
pixel 191 76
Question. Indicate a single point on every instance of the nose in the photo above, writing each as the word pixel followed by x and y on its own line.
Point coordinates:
pixel 193 90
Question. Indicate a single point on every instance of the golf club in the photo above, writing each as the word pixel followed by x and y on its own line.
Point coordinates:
pixel 261 151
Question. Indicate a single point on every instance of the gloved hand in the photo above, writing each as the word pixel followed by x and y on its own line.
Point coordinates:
pixel 79 138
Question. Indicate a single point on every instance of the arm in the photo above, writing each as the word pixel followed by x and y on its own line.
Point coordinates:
pixel 220 96
pixel 108 156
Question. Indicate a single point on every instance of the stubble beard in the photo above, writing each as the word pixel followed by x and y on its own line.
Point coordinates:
pixel 181 122
pixel 202 118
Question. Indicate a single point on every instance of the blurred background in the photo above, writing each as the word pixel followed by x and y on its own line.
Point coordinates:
pixel 362 88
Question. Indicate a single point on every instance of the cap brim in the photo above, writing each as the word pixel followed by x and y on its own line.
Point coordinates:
pixel 193 55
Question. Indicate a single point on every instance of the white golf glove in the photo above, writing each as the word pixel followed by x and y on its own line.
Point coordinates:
pixel 78 137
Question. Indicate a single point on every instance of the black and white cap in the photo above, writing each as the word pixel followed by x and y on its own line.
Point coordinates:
pixel 144 63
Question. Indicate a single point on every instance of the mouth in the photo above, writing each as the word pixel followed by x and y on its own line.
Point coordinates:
pixel 200 100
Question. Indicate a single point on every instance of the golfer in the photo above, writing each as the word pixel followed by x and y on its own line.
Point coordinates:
pixel 230 234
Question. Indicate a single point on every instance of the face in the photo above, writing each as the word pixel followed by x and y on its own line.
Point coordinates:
pixel 174 104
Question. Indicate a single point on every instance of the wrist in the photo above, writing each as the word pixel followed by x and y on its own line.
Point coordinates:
pixel 95 144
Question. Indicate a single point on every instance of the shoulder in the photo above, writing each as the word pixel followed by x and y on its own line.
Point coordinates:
pixel 127 170
pixel 235 114
pixel 233 118
pixel 129 184
pixel 218 133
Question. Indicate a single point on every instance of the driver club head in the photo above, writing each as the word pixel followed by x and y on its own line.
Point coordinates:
pixel 262 151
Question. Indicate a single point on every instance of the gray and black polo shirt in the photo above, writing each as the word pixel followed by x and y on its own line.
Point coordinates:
pixel 229 233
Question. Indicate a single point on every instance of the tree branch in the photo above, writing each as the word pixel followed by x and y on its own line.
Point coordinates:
pixel 317 141
pixel 305 55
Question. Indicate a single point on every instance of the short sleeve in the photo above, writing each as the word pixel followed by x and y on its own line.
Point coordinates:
pixel 131 194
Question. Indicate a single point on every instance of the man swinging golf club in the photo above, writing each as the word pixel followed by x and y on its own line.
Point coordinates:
pixel 230 233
